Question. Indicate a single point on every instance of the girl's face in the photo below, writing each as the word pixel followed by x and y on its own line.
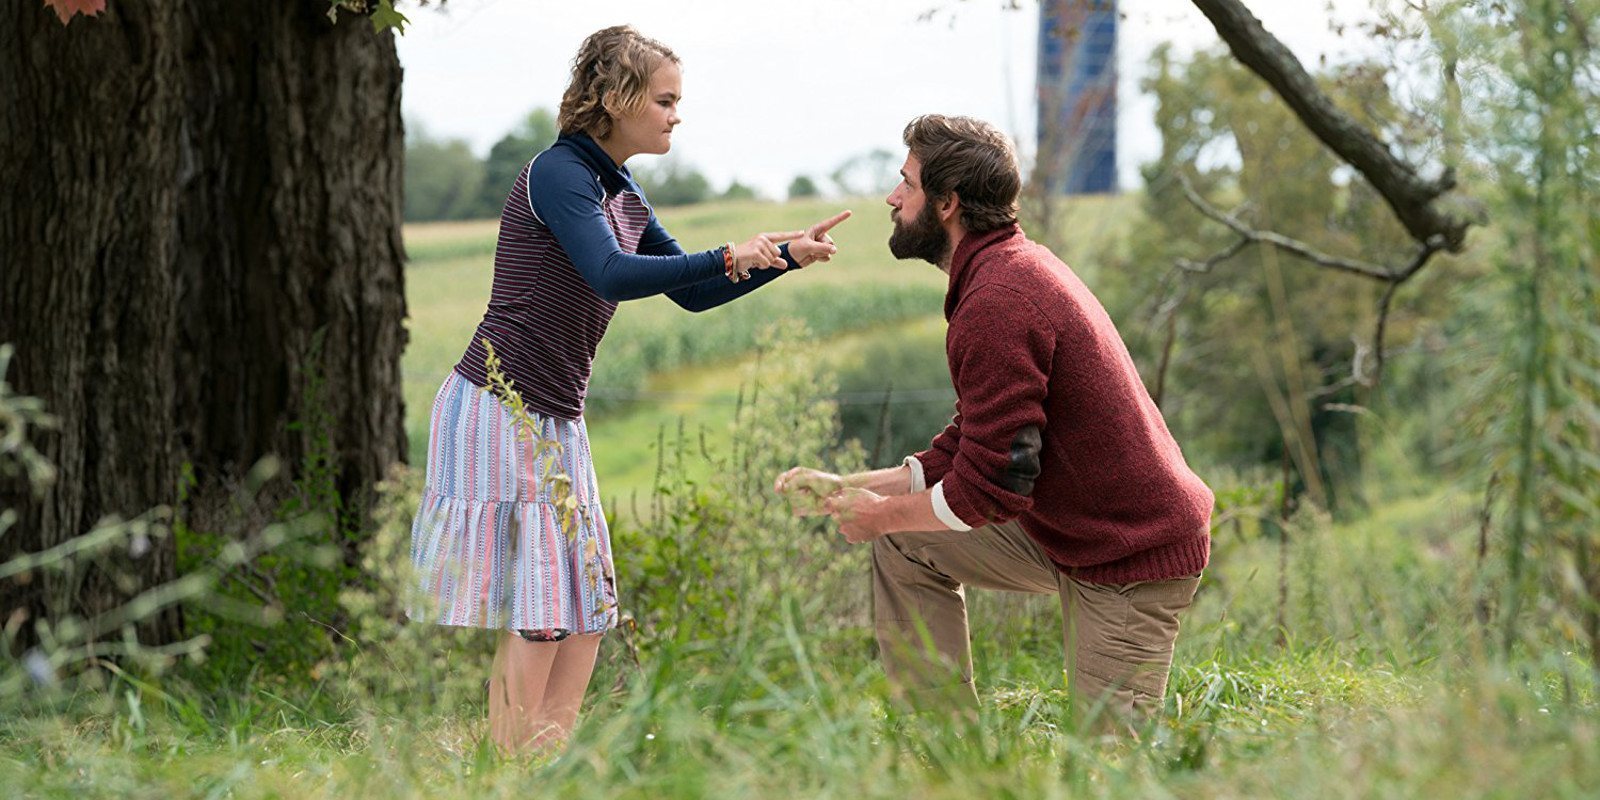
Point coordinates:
pixel 649 129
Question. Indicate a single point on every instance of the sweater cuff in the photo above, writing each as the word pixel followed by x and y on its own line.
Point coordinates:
pixel 918 481
pixel 941 509
pixel 934 463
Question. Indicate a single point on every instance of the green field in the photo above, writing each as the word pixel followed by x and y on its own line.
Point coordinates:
pixel 1380 691
pixel 692 362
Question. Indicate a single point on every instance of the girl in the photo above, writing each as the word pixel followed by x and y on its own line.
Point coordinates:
pixel 510 535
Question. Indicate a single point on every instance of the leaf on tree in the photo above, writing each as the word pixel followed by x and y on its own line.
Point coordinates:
pixel 67 9
pixel 386 17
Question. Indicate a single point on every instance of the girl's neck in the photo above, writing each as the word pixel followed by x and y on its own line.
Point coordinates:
pixel 614 149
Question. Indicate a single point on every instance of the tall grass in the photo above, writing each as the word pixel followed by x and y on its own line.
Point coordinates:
pixel 745 669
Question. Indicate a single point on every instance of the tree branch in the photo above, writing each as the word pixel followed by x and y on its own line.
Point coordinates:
pixel 1189 265
pixel 1407 192
pixel 1395 277
pixel 1291 246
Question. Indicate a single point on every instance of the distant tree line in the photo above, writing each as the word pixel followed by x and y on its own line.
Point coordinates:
pixel 444 180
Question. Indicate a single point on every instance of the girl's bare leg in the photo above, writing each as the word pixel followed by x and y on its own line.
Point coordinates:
pixel 517 683
pixel 563 694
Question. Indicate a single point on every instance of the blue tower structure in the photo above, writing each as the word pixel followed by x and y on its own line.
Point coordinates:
pixel 1077 94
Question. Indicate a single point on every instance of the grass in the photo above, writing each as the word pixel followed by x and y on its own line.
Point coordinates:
pixel 793 707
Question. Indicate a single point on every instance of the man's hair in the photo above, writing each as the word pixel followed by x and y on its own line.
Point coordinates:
pixel 971 158
pixel 610 78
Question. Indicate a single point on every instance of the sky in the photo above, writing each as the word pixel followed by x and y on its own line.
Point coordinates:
pixel 775 89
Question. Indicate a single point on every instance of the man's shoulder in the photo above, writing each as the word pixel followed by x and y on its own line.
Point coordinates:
pixel 1022 269
pixel 991 306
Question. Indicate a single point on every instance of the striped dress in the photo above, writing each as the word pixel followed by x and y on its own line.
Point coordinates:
pixel 510 532
pixel 493 545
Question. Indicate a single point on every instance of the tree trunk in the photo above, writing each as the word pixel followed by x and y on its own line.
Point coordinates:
pixel 88 117
pixel 292 239
pixel 197 193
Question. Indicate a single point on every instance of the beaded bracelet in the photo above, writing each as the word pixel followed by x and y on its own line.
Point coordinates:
pixel 728 263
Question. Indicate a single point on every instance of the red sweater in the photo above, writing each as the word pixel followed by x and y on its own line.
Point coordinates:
pixel 1053 425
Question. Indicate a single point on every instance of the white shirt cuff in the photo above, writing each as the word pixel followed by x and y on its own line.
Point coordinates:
pixel 918 482
pixel 941 509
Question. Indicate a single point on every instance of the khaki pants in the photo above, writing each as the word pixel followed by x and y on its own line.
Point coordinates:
pixel 1118 637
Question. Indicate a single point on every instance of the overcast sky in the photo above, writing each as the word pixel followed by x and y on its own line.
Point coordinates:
pixel 774 89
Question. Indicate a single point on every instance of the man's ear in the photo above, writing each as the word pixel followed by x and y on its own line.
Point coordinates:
pixel 948 207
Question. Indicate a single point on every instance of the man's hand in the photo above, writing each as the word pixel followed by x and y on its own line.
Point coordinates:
pixel 859 514
pixel 806 488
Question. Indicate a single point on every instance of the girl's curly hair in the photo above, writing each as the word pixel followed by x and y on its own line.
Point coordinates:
pixel 610 76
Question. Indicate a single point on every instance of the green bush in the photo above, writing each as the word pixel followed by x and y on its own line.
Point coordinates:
pixel 713 556
pixel 895 396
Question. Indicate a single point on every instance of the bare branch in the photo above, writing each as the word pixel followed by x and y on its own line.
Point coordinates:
pixel 1220 256
pixel 1377 334
pixel 1407 192
pixel 1417 262
pixel 1395 277
pixel 1293 247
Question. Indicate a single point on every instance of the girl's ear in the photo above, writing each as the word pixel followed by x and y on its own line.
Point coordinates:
pixel 611 104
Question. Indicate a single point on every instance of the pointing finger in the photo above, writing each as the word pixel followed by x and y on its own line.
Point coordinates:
pixel 826 225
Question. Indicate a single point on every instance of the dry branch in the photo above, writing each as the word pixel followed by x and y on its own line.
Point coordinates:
pixel 1410 195
pixel 1394 276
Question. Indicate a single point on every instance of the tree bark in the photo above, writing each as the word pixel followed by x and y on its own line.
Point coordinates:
pixel 197 192
pixel 88 115
pixel 292 237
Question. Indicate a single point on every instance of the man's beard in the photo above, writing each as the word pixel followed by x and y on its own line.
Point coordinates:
pixel 923 238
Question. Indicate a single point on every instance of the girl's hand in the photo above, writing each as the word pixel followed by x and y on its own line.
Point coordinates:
pixel 762 252
pixel 815 244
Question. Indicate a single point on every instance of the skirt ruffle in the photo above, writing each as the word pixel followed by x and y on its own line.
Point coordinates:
pixel 510 533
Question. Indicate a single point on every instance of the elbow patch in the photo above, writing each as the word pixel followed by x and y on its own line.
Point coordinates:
pixel 1023 468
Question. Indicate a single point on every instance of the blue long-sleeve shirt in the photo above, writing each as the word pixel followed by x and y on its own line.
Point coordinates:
pixel 576 238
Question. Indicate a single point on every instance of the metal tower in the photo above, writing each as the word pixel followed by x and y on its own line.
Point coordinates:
pixel 1077 93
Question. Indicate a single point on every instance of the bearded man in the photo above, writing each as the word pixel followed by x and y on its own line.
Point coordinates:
pixel 1056 475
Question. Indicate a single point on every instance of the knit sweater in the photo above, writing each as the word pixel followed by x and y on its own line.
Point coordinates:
pixel 1053 426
